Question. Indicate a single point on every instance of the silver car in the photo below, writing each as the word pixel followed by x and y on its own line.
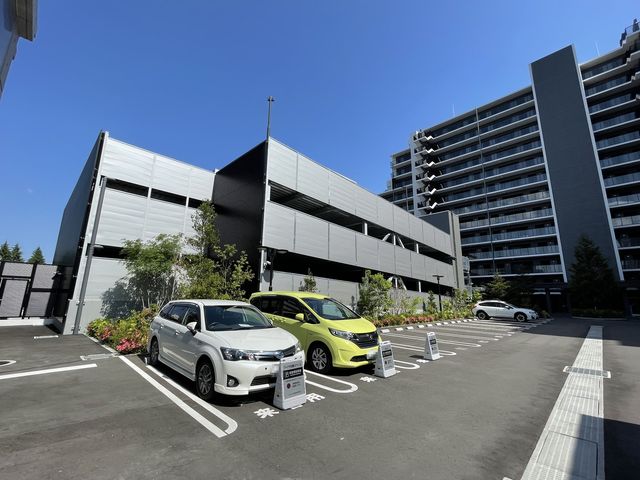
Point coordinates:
pixel 499 309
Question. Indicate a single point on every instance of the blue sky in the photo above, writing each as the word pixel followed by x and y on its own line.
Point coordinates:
pixel 352 80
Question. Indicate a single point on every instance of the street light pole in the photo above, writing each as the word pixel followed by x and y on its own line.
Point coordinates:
pixel 438 277
pixel 270 99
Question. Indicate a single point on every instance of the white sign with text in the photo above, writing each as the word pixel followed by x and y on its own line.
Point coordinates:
pixel 290 386
pixel 385 366
pixel 431 351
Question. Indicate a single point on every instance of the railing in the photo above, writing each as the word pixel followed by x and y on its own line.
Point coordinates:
pixel 630 264
pixel 603 67
pixel 496 187
pixel 621 179
pixel 612 102
pixel 508 218
pixel 516 252
pixel 626 221
pixel 505 202
pixel 626 137
pixel 628 242
pixel 628 31
pixel 533 232
pixel 508 120
pixel 619 159
pixel 624 199
pixel 601 87
pixel 614 121
pixel 519 271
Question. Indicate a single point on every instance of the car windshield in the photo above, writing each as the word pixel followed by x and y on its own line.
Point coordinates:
pixel 330 309
pixel 234 317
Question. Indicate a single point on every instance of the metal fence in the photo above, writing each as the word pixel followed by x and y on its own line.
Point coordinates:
pixel 31 290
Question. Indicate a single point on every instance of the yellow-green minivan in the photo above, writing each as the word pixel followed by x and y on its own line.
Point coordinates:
pixel 331 333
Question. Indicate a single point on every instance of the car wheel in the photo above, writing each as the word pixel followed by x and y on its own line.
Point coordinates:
pixel 205 380
pixel 482 315
pixel 319 358
pixel 521 317
pixel 154 353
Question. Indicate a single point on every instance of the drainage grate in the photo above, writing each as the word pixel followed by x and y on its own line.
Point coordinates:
pixel 97 356
pixel 588 371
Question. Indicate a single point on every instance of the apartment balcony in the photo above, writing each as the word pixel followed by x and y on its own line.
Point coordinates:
pixel 532 233
pixel 628 243
pixel 624 200
pixel 619 180
pixel 613 105
pixel 450 168
pixel 622 222
pixel 625 120
pixel 625 158
pixel 628 139
pixel 535 270
pixel 615 85
pixel 523 200
pixel 515 252
pixel 502 187
pixel 630 264
pixel 508 219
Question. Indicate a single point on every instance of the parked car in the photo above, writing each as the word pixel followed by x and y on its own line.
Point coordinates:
pixel 499 309
pixel 224 346
pixel 331 333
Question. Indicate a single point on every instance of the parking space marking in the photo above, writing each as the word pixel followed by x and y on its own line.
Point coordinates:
pixel 232 425
pixel 447 334
pixel 367 379
pixel 177 401
pixel 39 337
pixel 418 349
pixel 449 342
pixel 352 386
pixel 314 397
pixel 7 376
pixel 6 363
pixel 412 366
pixel 266 412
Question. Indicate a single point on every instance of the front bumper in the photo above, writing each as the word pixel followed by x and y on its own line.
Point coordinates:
pixel 247 373
pixel 346 354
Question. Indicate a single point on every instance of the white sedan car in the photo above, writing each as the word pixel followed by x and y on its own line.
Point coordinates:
pixel 224 346
pixel 500 309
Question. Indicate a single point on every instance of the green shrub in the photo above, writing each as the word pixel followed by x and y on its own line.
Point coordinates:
pixel 128 335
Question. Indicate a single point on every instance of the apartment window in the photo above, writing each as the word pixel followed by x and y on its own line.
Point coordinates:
pixel 454 126
pixel 168 197
pixel 403 158
pixel 602 86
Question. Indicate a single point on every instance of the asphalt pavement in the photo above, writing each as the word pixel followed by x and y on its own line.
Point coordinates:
pixel 70 409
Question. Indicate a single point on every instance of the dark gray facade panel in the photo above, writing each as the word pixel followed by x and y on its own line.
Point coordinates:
pixel 439 220
pixel 570 154
pixel 238 197
pixel 75 214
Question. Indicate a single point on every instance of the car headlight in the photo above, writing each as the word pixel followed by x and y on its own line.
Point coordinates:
pixel 233 354
pixel 298 347
pixel 343 334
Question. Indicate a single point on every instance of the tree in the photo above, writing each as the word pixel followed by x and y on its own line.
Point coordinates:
pixel 432 306
pixel 5 252
pixel 592 283
pixel 213 270
pixel 37 257
pixel 151 268
pixel 497 288
pixel 308 283
pixel 16 254
pixel 520 291
pixel 374 295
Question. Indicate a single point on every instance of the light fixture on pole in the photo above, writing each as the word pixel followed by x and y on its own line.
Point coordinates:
pixel 271 254
pixel 270 99
pixel 438 277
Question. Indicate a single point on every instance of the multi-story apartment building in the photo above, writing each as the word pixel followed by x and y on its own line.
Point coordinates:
pixel 530 172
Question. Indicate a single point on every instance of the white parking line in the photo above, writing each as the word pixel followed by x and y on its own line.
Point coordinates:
pixel 38 337
pixel 47 371
pixel 413 366
pixel 6 363
pixel 440 340
pixel 418 349
pixel 182 405
pixel 446 333
pixel 232 424
pixel 352 387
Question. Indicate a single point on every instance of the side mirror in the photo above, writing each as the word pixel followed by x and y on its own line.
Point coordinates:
pixel 300 317
pixel 191 326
